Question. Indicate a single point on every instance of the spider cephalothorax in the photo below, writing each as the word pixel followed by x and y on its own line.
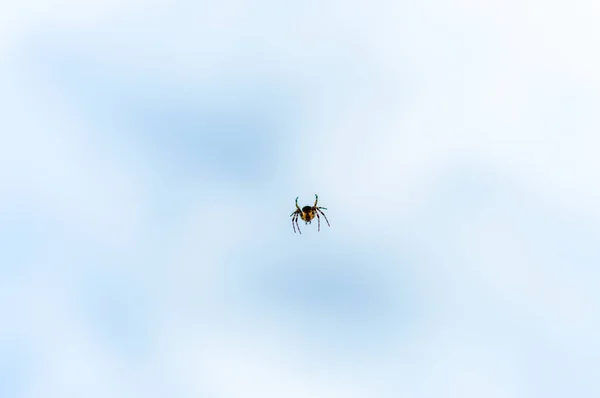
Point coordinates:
pixel 307 213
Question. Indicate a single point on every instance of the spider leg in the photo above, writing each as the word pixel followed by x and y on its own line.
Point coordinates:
pixel 318 221
pixel 316 200
pixel 319 210
pixel 293 218
pixel 297 207
pixel 297 225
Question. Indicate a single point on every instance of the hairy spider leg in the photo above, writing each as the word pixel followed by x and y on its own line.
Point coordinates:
pixel 319 210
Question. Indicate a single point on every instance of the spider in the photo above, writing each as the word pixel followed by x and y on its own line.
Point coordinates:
pixel 307 213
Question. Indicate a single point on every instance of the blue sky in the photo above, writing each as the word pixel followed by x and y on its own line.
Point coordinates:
pixel 152 151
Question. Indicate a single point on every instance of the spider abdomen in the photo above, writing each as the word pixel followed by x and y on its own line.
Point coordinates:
pixel 307 215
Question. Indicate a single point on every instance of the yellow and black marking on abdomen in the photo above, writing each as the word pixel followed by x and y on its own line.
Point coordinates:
pixel 308 213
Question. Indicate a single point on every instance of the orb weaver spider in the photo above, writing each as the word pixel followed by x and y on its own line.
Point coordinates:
pixel 307 213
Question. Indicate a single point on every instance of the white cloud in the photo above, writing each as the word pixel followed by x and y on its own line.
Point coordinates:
pixel 485 86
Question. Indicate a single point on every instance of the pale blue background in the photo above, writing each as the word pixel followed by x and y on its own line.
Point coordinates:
pixel 151 152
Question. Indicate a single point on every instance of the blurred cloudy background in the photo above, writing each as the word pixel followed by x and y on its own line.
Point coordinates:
pixel 151 152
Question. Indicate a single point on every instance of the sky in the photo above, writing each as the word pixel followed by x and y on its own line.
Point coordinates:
pixel 151 152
